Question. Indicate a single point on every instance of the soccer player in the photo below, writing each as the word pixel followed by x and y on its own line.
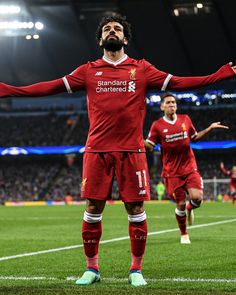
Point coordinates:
pixel 180 173
pixel 232 185
pixel 116 86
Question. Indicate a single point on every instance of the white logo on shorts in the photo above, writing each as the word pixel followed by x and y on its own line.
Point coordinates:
pixel 142 192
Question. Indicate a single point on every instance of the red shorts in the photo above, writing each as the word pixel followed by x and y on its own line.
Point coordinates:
pixel 131 173
pixel 176 187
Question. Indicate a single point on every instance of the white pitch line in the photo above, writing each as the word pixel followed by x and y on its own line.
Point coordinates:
pixel 40 252
pixel 193 226
pixel 12 278
pixel 112 240
pixel 166 279
pixel 183 280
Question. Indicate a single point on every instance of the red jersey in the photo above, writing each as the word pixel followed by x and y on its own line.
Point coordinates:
pixel 116 100
pixel 174 137
pixel 116 94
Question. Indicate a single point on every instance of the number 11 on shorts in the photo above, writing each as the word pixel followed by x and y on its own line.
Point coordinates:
pixel 142 178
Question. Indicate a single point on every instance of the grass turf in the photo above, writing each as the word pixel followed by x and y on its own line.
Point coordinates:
pixel 207 266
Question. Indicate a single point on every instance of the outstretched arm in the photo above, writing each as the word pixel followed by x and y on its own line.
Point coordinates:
pixel 183 83
pixel 38 89
pixel 215 125
pixel 225 171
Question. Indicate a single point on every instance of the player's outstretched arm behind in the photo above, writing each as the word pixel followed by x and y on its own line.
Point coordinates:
pixel 201 134
pixel 38 89
pixel 222 166
pixel 223 170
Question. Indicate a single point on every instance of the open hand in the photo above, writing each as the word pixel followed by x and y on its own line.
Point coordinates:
pixel 233 67
pixel 216 125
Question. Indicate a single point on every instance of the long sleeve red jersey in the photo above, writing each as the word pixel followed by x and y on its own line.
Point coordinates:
pixel 116 94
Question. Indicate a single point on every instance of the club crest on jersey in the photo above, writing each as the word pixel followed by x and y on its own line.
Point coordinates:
pixel 183 127
pixel 132 73
pixel 83 184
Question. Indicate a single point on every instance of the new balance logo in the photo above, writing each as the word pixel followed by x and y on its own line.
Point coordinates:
pixel 99 74
pixel 165 130
pixel 142 192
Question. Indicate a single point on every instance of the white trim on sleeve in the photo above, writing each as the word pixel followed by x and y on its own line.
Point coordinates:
pixel 151 142
pixel 69 90
pixel 167 80
pixel 194 135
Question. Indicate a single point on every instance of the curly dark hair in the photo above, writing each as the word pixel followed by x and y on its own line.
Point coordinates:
pixel 114 18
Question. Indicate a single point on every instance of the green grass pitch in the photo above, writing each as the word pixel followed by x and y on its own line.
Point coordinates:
pixel 207 266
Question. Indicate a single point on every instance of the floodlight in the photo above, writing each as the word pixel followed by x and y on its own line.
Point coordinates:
pixel 199 5
pixel 39 25
pixel 9 9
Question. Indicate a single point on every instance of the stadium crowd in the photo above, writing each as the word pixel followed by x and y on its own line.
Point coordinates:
pixel 35 179
pixel 53 179
pixel 71 129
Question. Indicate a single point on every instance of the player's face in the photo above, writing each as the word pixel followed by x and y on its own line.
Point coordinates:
pixel 169 106
pixel 113 38
pixel 234 169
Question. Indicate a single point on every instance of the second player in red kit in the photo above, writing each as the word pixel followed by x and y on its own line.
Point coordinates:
pixel 174 133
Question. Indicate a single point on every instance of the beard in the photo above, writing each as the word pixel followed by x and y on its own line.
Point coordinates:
pixel 112 44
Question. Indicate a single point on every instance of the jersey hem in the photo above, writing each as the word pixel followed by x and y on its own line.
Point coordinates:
pixel 179 175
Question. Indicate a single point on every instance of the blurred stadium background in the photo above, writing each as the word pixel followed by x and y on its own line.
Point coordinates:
pixel 42 139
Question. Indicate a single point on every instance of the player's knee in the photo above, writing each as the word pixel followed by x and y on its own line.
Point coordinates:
pixel 95 206
pixel 181 206
pixel 179 196
pixel 197 197
pixel 197 203
pixel 134 209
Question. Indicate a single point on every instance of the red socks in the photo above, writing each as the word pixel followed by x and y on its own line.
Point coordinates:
pixel 138 237
pixel 91 234
pixel 92 231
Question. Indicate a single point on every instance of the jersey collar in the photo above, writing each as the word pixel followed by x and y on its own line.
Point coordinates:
pixel 115 63
pixel 169 121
